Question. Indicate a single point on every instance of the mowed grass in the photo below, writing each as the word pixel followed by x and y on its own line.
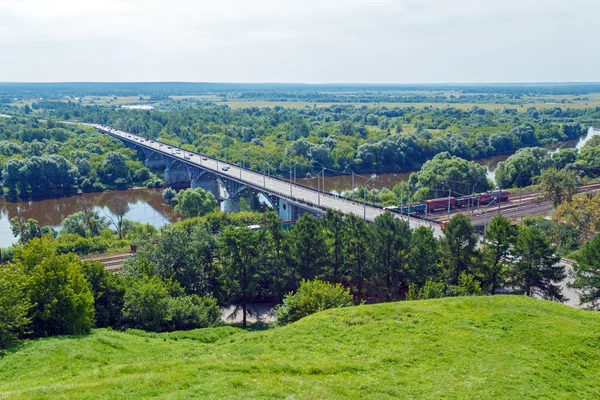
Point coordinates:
pixel 455 348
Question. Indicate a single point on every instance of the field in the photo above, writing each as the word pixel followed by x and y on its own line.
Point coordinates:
pixel 550 101
pixel 484 347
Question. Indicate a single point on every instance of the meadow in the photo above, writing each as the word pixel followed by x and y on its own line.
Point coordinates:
pixel 459 348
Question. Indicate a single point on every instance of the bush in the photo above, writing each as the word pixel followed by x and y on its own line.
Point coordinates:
pixel 431 290
pixel 190 312
pixel 312 297
pixel 467 285
pixel 97 187
pixel 121 183
pixel 169 194
pixel 146 304
pixel 153 304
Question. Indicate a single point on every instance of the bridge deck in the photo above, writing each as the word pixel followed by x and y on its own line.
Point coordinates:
pixel 301 195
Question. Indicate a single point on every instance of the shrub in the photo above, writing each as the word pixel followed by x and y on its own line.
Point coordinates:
pixel 190 312
pixel 467 285
pixel 121 183
pixel 146 304
pixel 312 297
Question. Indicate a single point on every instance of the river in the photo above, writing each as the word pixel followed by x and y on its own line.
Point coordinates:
pixel 145 206
pixel 340 183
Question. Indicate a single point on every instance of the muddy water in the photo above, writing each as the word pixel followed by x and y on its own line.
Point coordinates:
pixel 146 206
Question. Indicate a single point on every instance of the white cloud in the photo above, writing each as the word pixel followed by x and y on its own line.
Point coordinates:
pixel 299 41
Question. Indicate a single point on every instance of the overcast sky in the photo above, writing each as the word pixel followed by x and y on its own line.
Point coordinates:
pixel 385 41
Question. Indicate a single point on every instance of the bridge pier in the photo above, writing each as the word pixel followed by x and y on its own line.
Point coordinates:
pixel 176 172
pixel 232 203
pixel 153 160
pixel 202 179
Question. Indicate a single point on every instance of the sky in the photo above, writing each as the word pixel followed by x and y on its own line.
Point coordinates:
pixel 310 41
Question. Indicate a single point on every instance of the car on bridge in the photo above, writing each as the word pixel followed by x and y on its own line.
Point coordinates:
pixel 226 168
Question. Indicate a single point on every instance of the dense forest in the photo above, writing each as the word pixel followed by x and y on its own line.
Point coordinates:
pixel 366 139
pixel 47 158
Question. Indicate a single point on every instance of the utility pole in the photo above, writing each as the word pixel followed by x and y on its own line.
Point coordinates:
pixel 365 204
pixel 449 196
pixel 408 207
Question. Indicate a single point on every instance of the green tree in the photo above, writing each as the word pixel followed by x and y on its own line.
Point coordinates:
pixel 459 248
pixel 520 169
pixel 279 271
pixel 194 202
pixel 391 246
pixel 499 237
pixel 358 255
pixel 564 157
pixel 169 194
pixel 424 257
pixel 467 285
pixel 186 256
pixel 87 223
pixel 108 290
pixel 582 213
pixel 444 168
pixel 336 242
pixel 146 304
pixel 432 290
pixel 192 312
pixel 29 230
pixel 307 249
pixel 115 167
pixel 14 307
pixel 537 271
pixel 312 297
pixel 242 265
pixel 558 186
pixel 587 273
pixel 61 297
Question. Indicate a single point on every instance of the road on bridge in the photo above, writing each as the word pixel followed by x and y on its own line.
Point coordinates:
pixel 298 194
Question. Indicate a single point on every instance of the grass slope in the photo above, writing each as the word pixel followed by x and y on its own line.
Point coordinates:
pixel 484 347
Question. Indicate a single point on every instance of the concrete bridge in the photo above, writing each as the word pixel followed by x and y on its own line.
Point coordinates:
pixel 230 183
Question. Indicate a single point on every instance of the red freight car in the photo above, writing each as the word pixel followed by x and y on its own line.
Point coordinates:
pixel 440 204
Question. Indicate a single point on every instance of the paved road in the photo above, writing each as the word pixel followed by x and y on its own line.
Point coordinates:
pixel 278 187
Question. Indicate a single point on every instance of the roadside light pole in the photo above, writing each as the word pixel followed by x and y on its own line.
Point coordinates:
pixel 485 217
pixel 352 196
pixel 319 187
pixel 449 198
pixel 294 167
pixel 365 195
pixel 265 175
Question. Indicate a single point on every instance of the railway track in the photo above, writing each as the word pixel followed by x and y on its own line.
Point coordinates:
pixel 112 263
pixel 526 204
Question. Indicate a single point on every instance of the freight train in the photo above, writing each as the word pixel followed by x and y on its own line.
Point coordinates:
pixel 443 203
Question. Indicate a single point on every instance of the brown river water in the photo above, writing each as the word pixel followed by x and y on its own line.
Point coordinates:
pixel 148 206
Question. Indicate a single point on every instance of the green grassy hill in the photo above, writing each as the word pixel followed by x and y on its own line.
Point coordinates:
pixel 483 347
